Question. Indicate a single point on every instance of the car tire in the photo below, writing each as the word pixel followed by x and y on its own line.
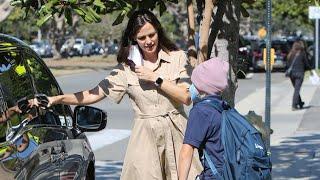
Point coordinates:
pixel 90 172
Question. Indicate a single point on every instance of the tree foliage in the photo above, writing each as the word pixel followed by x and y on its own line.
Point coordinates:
pixel 17 26
pixel 89 10
pixel 293 12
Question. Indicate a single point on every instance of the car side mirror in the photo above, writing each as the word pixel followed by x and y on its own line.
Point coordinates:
pixel 90 118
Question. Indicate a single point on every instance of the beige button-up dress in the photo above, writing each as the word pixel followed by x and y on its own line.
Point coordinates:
pixel 159 123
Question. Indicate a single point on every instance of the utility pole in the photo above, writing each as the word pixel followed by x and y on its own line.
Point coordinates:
pixel 268 73
pixel 314 13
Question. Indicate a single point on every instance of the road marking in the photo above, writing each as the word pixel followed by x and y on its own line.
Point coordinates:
pixel 107 137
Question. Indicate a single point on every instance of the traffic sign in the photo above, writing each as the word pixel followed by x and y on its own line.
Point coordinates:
pixel 262 33
pixel 314 12
pixel 272 56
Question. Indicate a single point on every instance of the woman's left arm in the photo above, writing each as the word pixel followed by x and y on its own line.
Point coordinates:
pixel 178 92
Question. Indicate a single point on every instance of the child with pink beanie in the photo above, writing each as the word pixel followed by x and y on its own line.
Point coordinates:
pixel 209 80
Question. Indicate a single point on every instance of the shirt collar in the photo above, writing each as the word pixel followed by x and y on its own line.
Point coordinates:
pixel 213 97
pixel 164 56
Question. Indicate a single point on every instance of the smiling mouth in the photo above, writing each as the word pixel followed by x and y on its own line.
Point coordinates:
pixel 149 47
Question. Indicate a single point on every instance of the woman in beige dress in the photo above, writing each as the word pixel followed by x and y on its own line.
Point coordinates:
pixel 157 85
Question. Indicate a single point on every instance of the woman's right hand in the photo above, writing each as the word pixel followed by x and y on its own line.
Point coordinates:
pixel 42 100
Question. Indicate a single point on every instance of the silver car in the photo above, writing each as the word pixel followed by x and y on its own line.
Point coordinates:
pixel 42 48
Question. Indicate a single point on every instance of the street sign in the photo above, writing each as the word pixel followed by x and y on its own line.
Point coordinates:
pixel 262 33
pixel 314 12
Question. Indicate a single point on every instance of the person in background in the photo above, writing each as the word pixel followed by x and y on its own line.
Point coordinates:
pixel 209 80
pixel 297 58
pixel 158 89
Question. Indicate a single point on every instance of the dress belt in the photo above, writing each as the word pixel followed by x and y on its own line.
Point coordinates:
pixel 150 116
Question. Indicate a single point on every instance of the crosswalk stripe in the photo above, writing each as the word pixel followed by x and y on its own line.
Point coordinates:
pixel 106 137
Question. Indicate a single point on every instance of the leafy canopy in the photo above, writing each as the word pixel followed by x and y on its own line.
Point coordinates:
pixel 89 10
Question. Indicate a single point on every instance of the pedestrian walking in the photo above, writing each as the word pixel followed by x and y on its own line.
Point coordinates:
pixel 158 89
pixel 298 62
pixel 203 131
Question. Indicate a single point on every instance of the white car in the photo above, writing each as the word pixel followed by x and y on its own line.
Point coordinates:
pixel 82 47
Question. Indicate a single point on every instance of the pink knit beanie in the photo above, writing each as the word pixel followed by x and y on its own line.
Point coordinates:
pixel 211 76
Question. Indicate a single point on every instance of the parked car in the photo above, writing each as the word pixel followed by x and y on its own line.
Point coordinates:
pixel 75 47
pixel 244 57
pixel 281 48
pixel 113 48
pixel 42 48
pixel 96 48
pixel 39 142
pixel 83 48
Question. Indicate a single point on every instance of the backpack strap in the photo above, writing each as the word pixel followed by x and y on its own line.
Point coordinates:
pixel 211 165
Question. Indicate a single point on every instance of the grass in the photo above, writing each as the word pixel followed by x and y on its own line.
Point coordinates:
pixel 75 65
pixel 95 58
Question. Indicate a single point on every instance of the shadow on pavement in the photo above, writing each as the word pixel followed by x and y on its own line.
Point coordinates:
pixel 110 170
pixel 297 157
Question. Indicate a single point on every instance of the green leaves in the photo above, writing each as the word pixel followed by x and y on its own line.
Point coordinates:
pixel 120 18
pixel 99 4
pixel 88 10
pixel 88 14
pixel 43 19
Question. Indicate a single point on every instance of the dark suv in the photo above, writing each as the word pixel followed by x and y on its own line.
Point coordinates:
pixel 39 142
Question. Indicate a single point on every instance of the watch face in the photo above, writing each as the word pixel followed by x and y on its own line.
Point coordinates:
pixel 159 81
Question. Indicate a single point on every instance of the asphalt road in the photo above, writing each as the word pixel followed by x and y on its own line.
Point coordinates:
pixel 111 143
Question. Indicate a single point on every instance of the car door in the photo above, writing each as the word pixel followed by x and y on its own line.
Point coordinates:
pixel 23 137
pixel 71 153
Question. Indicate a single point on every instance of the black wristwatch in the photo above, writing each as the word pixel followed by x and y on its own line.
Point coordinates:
pixel 159 81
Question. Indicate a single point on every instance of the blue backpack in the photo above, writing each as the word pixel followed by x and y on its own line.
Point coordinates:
pixel 245 154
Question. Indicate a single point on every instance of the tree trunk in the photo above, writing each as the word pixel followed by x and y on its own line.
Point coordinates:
pixel 225 34
pixel 204 31
pixel 5 9
pixel 192 51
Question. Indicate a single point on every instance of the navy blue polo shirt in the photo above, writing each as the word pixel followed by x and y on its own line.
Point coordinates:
pixel 204 132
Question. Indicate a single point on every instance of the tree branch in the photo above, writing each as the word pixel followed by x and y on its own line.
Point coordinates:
pixel 192 51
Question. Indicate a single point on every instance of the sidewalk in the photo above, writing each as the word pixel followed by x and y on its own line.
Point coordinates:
pixel 298 157
pixel 295 143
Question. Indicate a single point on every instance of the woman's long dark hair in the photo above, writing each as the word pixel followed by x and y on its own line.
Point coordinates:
pixel 137 20
pixel 297 47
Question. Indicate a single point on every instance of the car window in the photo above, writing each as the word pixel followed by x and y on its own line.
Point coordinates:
pixel 78 42
pixel 280 47
pixel 283 46
pixel 44 83
pixel 15 90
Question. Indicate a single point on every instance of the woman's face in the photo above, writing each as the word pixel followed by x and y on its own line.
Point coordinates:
pixel 147 39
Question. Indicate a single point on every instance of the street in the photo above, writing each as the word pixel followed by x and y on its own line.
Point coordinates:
pixel 110 144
